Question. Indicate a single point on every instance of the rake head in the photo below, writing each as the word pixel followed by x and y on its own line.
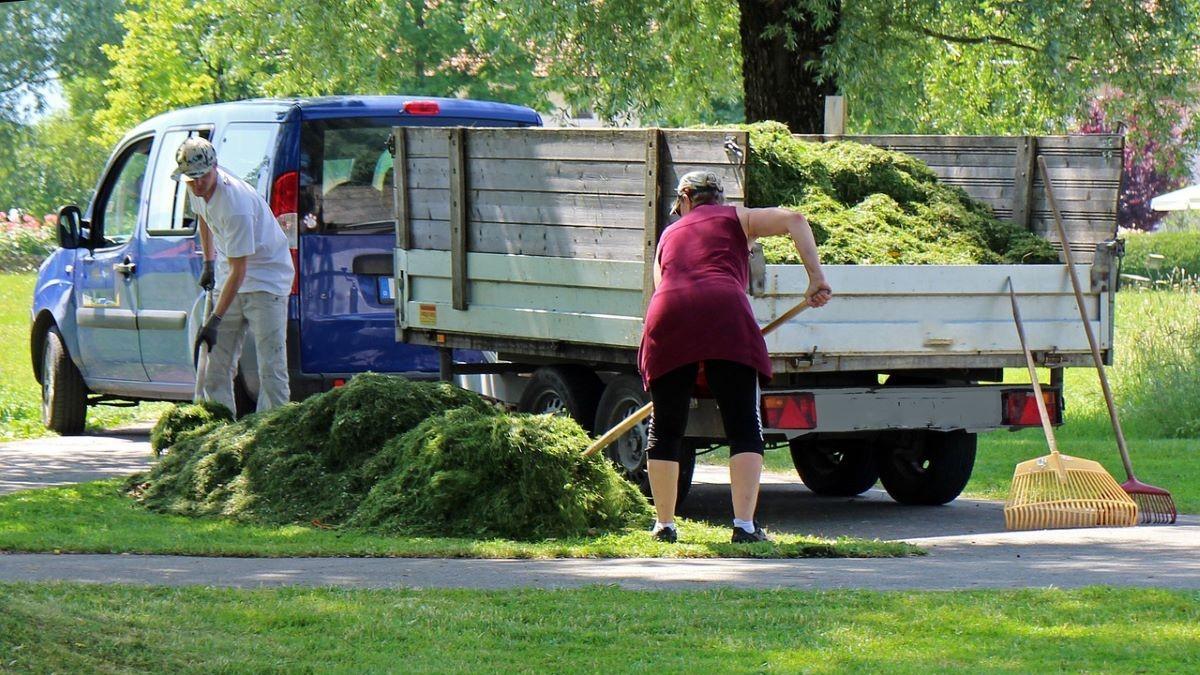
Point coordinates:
pixel 1155 506
pixel 1060 491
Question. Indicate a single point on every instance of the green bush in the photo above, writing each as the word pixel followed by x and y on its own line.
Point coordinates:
pixel 25 242
pixel 1179 250
pixel 868 205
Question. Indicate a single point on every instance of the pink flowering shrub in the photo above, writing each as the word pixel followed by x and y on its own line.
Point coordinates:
pixel 25 240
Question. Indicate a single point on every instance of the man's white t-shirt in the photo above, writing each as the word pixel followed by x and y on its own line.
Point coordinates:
pixel 242 225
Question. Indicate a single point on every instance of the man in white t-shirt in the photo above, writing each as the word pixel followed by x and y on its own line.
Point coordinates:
pixel 254 271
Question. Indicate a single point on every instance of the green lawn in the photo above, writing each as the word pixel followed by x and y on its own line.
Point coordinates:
pixel 20 394
pixel 97 518
pixel 84 628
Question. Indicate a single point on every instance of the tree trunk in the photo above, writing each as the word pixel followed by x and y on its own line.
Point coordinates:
pixel 777 83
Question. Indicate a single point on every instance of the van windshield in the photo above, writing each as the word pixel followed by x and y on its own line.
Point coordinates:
pixel 346 174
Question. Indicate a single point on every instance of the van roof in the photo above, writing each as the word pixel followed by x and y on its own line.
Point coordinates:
pixel 322 107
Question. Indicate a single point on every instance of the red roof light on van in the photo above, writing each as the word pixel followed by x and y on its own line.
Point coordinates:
pixel 422 108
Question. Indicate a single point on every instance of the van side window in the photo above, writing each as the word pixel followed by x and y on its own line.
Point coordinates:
pixel 346 174
pixel 166 195
pixel 121 196
pixel 245 151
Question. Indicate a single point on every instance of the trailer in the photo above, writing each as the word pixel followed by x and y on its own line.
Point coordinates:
pixel 537 245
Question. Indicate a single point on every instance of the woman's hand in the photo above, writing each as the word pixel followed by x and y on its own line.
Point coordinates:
pixel 818 292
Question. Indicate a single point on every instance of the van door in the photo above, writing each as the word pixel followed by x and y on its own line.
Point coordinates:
pixel 104 288
pixel 168 268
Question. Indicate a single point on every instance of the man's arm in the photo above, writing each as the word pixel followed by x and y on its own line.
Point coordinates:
pixel 206 245
pixel 774 221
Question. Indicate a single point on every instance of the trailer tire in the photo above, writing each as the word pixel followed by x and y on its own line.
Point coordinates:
pixel 573 389
pixel 834 467
pixel 622 396
pixel 64 393
pixel 927 468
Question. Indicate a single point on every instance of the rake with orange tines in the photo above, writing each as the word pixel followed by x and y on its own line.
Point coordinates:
pixel 1058 490
pixel 1154 503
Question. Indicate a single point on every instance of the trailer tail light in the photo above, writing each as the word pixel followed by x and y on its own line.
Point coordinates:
pixel 422 108
pixel 339 382
pixel 789 411
pixel 1019 408
pixel 285 204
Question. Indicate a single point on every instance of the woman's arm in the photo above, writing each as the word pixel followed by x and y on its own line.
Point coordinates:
pixel 768 222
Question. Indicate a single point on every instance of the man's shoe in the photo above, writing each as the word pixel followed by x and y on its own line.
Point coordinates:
pixel 667 535
pixel 741 536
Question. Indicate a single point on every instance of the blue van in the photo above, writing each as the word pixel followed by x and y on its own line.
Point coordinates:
pixel 116 307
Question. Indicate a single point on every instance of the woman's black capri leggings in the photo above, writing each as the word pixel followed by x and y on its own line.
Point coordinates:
pixel 734 386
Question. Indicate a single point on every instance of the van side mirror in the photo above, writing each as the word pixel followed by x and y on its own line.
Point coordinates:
pixel 70 222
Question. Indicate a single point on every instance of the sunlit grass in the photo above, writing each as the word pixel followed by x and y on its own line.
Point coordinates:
pixel 97 518
pixel 20 394
pixel 89 628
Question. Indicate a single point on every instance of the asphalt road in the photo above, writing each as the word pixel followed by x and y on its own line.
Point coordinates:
pixel 967 544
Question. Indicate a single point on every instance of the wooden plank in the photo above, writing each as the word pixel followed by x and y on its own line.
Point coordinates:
pixel 556 241
pixel 400 189
pixel 835 115
pixel 612 274
pixel 617 145
pixel 530 239
pixel 428 142
pixel 700 147
pixel 458 216
pixel 1022 197
pixel 730 175
pixel 551 208
pixel 652 214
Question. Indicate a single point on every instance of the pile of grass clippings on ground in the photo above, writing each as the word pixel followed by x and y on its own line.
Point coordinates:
pixel 871 206
pixel 185 421
pixel 388 454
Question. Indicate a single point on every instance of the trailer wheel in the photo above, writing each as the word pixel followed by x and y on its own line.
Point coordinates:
pixel 622 397
pixel 834 467
pixel 571 389
pixel 64 394
pixel 927 468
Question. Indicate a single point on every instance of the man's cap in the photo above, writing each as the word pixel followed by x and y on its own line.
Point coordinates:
pixel 195 157
pixel 697 181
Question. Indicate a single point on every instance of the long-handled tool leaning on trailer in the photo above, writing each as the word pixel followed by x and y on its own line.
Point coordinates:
pixel 1155 504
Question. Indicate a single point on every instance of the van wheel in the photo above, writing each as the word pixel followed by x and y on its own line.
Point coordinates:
pixel 833 467
pixel 64 394
pixel 622 397
pixel 926 468
pixel 557 389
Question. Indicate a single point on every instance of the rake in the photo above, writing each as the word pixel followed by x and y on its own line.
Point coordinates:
pixel 1155 504
pixel 1058 490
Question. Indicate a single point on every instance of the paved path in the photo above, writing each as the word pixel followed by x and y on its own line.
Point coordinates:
pixel 60 460
pixel 968 547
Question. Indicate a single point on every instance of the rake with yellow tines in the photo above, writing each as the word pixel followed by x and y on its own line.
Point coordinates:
pixel 1155 504
pixel 1058 490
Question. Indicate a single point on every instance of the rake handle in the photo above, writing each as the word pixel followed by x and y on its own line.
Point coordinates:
pixel 644 411
pixel 1033 376
pixel 1087 325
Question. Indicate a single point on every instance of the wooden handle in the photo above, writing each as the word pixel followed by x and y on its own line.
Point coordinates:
pixel 1087 325
pixel 1033 376
pixel 644 411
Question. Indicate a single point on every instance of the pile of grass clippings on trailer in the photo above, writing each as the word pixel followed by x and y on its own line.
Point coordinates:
pixel 871 206
pixel 387 454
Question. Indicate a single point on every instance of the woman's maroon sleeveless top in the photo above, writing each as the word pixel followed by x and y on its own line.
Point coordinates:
pixel 701 311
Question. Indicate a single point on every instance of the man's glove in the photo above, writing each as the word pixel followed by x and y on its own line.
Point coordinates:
pixel 208 334
pixel 207 277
